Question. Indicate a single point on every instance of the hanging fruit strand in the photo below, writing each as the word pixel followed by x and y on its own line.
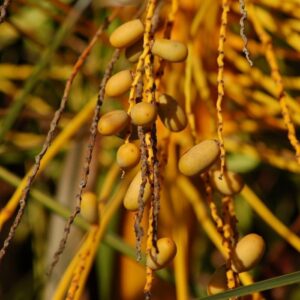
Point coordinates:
pixel 220 80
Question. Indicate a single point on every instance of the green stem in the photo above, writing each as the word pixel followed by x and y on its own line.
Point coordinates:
pixel 260 286
pixel 43 199
pixel 110 239
pixel 20 99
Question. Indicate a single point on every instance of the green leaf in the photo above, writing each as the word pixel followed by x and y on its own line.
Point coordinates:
pixel 241 163
pixel 260 286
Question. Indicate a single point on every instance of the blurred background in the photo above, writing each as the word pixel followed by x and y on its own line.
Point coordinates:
pixel 39 43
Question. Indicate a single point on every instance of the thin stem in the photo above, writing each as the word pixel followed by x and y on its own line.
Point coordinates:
pixel 88 159
pixel 243 11
pixel 43 199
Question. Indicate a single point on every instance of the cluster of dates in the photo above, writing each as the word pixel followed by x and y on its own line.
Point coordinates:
pixel 200 158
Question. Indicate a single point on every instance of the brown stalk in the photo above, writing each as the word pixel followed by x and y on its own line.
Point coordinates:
pixel 3 10
pixel 156 186
pixel 86 170
pixel 242 31
pixel 50 137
